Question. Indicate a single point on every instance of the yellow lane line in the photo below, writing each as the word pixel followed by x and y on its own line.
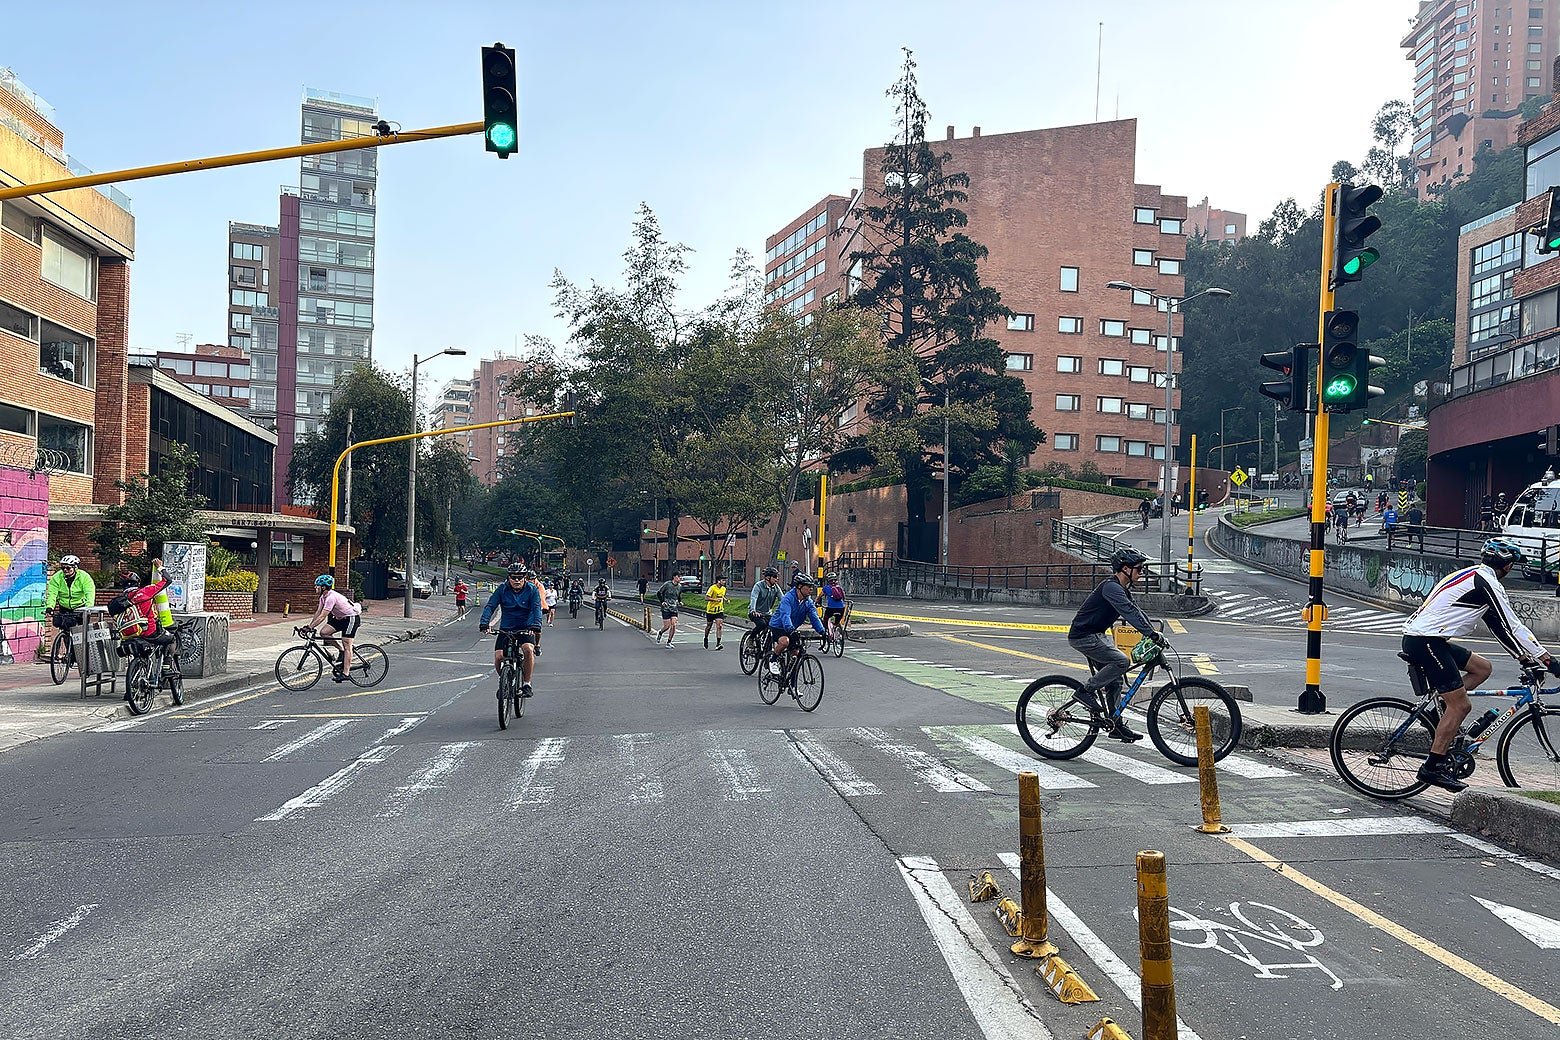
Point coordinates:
pixel 398 689
pixel 230 703
pixel 1176 627
pixel 962 622
pixel 1204 665
pixel 1014 653
pixel 1494 983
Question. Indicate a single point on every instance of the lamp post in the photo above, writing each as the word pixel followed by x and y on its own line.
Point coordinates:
pixel 947 460
pixel 1173 306
pixel 1222 411
pixel 411 480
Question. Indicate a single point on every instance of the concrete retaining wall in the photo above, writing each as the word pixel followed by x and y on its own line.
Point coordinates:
pixel 891 583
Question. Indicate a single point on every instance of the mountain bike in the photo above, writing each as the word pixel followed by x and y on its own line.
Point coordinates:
pixel 511 699
pixel 62 652
pixel 1056 725
pixel 834 638
pixel 300 667
pixel 154 665
pixel 801 677
pixel 1378 744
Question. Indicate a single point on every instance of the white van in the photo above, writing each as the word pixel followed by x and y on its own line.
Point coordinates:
pixel 1533 523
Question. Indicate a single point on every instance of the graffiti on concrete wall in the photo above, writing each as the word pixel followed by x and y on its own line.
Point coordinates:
pixel 1540 613
pixel 24 548
pixel 1369 572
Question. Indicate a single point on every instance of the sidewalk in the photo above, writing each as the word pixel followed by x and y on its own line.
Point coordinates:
pixel 32 707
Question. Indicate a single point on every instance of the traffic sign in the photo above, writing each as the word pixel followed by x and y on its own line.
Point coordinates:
pixel 1238 477
pixel 611 561
pixel 780 555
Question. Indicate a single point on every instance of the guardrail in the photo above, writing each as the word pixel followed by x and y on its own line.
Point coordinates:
pixel 1086 543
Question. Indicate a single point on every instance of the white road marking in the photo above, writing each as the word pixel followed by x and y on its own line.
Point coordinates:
pixel 1143 772
pixel 1252 768
pixel 327 788
pixel 319 732
pixel 939 776
pixel 1115 969
pixel 1015 762
pixel 1345 828
pixel 1540 931
pixel 536 775
pixel 53 933
pixel 272 723
pixel 426 778
pixel 993 997
pixel 834 769
pixel 642 787
pixel 735 767
pixel 1499 853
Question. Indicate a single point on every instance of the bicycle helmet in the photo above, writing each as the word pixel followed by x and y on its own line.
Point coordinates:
pixel 1498 552
pixel 804 579
pixel 771 572
pixel 325 581
pixel 130 580
pixel 70 561
pixel 831 576
pixel 517 571
pixel 1126 557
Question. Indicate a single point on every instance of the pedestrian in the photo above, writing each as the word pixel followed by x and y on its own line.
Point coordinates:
pixel 1175 505
pixel 1416 525
pixel 644 583
pixel 461 588
pixel 715 612
pixel 669 595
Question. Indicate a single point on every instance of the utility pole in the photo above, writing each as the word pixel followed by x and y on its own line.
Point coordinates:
pixel 346 509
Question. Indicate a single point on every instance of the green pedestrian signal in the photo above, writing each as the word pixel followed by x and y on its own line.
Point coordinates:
pixel 500 116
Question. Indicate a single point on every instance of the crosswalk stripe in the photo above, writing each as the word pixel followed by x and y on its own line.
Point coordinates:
pixel 834 769
pixel 318 733
pixel 936 774
pixel 735 767
pixel 1131 767
pixel 1051 778
pixel 1251 768
pixel 426 778
pixel 535 786
pixel 642 786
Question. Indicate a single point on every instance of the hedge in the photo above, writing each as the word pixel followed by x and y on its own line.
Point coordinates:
pixel 233 581
pixel 1079 485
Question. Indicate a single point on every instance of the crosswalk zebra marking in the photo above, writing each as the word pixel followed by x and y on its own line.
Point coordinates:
pixel 933 772
pixel 318 733
pixel 535 786
pixel 833 768
pixel 1015 762
pixel 642 787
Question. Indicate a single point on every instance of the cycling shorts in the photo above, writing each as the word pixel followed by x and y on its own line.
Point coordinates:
pixel 1442 660
pixel 520 636
pixel 837 613
pixel 345 627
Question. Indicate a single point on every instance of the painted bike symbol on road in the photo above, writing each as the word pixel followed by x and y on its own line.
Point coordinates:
pixel 1263 924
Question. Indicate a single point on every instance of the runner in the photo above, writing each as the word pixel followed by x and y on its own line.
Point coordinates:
pixel 715 612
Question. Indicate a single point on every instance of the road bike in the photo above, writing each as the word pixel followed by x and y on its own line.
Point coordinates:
pixel 154 665
pixel 601 613
pixel 300 667
pixel 801 677
pixel 1378 744
pixel 753 646
pixel 1056 725
pixel 833 638
pixel 511 696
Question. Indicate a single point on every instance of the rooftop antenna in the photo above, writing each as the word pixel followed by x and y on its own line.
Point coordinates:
pixel 1099 58
pixel 184 339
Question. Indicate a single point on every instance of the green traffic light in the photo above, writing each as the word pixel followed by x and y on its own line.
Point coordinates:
pixel 502 135
pixel 1554 243
pixel 1339 388
pixel 1361 260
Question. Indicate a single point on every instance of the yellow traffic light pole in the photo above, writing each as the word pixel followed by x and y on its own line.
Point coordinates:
pixel 335 477
pixel 1312 700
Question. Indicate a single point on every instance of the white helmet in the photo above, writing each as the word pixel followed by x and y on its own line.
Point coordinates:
pixel 70 561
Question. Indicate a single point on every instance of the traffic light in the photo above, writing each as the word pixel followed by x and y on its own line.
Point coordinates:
pixel 1350 253
pixel 1549 232
pixel 1339 352
pixel 500 115
pixel 1295 363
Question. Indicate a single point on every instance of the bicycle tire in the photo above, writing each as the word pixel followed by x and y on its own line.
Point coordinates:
pixel 138 692
pixel 748 655
pixel 1172 725
pixel 601 619
pixel 299 667
pixel 837 641
pixel 175 680
pixel 1051 722
pixel 503 698
pixel 1353 743
pixel 61 656
pixel 370 665
pixel 1532 768
pixel 807 682
pixel 769 686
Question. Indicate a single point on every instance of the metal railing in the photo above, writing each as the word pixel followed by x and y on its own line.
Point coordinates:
pixel 1081 540
pixel 1461 542
pixel 1060 577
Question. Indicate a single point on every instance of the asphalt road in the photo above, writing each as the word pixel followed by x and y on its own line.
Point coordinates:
pixel 652 852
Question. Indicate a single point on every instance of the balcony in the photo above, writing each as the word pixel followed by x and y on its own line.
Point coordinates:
pixel 1504 366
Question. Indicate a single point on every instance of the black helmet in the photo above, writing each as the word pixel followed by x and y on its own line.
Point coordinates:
pixel 1498 552
pixel 1126 557
pixel 801 578
pixel 771 572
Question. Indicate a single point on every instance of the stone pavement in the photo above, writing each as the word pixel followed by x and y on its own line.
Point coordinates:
pixel 32 707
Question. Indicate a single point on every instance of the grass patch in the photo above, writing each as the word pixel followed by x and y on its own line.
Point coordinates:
pixel 1248 519
pixel 1542 796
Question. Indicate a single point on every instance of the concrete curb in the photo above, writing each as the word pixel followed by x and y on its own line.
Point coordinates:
pixel 1280 735
pixel 1526 824
pixel 858 632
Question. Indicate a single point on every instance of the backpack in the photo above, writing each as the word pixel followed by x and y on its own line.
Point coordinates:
pixel 127 618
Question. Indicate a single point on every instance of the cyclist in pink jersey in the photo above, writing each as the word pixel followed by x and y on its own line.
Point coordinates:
pixel 337 617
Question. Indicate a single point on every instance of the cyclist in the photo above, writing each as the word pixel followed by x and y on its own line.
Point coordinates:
pixel 795 607
pixel 1090 634
pixel 519 605
pixel 601 594
pixel 1143 510
pixel 68 590
pixel 669 595
pixel 1453 608
pixel 715 612
pixel 833 601
pixel 764 597
pixel 576 597
pixel 336 616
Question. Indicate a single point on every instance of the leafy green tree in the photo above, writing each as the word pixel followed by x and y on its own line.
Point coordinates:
pixel 1411 455
pixel 158 507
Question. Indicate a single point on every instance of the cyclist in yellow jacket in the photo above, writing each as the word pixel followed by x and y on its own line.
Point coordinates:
pixel 68 590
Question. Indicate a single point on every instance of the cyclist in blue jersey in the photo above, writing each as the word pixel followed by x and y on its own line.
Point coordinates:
pixel 520 605
pixel 795 607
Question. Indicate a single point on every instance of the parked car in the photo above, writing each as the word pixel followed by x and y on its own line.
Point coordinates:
pixel 396 585
pixel 690 581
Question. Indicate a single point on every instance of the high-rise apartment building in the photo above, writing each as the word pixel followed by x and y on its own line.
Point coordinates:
pixel 1214 225
pixel 490 402
pixel 1475 63
pixel 452 407
pixel 802 261
pixel 253 287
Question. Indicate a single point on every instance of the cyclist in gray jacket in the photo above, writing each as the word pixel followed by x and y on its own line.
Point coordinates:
pixel 1090 634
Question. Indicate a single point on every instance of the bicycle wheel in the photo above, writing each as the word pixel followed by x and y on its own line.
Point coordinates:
pixel 769 686
pixel 370 665
pixel 503 698
pixel 837 641
pixel 174 679
pixel 1527 752
pixel 1172 725
pixel 61 657
pixel 1378 744
pixel 807 682
pixel 601 619
pixel 748 653
pixel 139 693
pixel 1051 722
pixel 299 667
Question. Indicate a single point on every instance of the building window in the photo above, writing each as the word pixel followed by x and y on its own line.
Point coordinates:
pixel 1108 405
pixel 1065 441
pixel 1112 366
pixel 1143 258
pixel 1069 326
pixel 1137 411
pixel 1143 215
pixel 239 340
pixel 69 267
pixel 1535 82
pixel 1535 48
pixel 1170 225
pixel 1169 266
pixel 1110 445
pixel 1137 449
pixel 1535 65
pixel 65 354
pixel 1158 453
pixel 211 368
pixel 238 274
pixel 1068 363
pixel 1175 343
pixel 1020 362
pixel 1142 297
pixel 1229 229
pixel 248 251
pixel 1142 337
pixel 1068 402
pixel 241 322
pixel 1498 253
pixel 17 222
pixel 16 420
pixel 1110 327
pixel 1021 323
pixel 1069 279
pixel 1138 373
pixel 70 440
pixel 18 322
pixel 246 298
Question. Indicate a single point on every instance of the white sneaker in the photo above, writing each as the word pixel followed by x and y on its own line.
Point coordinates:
pixel 774 668
pixel 668 644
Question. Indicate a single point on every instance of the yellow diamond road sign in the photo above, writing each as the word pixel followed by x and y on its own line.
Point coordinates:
pixel 1238 477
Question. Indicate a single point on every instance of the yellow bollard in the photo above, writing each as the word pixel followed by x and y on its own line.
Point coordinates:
pixel 1158 986
pixel 647 620
pixel 1034 921
pixel 1207 777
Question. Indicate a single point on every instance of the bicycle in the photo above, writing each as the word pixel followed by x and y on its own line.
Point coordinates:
pixel 834 638
pixel 753 646
pixel 601 613
pixel 62 657
pixel 300 667
pixel 803 680
pixel 153 665
pixel 1057 726
pixel 510 696
pixel 1378 744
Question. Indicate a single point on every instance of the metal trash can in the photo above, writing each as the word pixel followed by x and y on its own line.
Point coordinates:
pixel 203 644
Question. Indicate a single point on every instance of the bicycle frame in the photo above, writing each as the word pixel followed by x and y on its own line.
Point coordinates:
pixel 1144 670
pixel 1523 697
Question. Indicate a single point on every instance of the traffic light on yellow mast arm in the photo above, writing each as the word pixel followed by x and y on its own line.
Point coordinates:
pixel 1549 231
pixel 1350 253
pixel 1345 369
pixel 1295 363
pixel 500 111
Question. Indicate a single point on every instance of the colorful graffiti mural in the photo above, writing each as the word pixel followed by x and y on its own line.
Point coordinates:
pixel 24 551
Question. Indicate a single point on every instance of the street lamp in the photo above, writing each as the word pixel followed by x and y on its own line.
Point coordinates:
pixel 947 461
pixel 1222 411
pixel 1173 306
pixel 411 479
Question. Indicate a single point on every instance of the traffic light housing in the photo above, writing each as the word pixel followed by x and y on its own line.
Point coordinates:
pixel 1345 370
pixel 1295 364
pixel 1354 225
pixel 500 111
pixel 1549 231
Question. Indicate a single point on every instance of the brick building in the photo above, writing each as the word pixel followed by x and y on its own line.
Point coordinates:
pixel 1214 225
pixel 803 264
pixel 211 370
pixel 490 403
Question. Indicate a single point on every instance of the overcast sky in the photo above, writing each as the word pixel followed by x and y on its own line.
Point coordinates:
pixel 727 118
